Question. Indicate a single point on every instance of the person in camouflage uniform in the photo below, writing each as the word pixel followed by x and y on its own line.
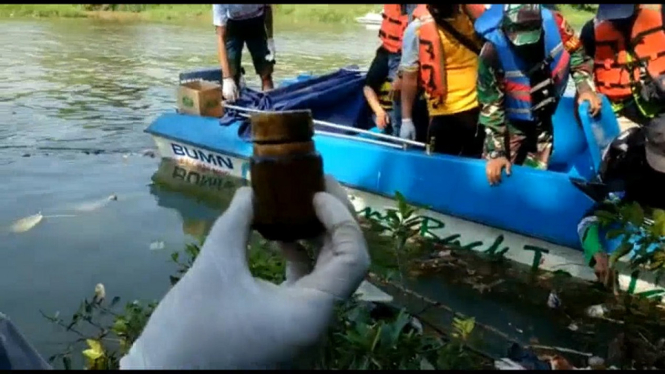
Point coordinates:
pixel 526 143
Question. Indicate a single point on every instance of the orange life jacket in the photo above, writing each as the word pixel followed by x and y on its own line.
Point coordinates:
pixel 612 67
pixel 432 71
pixel 392 27
pixel 474 10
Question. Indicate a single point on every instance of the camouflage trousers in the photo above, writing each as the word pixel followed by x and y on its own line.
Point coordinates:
pixel 532 151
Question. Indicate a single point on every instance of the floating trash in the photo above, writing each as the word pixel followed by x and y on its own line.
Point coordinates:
pixel 94 205
pixel 156 245
pixel 100 292
pixel 507 364
pixel 596 311
pixel 27 223
pixel 596 363
pixel 553 300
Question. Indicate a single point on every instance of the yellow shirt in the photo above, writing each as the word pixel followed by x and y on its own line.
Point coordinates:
pixel 461 66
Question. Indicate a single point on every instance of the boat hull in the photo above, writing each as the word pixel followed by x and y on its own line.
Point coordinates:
pixel 529 251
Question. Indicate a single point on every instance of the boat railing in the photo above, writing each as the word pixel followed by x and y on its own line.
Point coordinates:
pixel 381 139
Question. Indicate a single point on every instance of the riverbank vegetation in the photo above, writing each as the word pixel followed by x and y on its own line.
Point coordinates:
pixel 364 335
pixel 624 329
pixel 300 13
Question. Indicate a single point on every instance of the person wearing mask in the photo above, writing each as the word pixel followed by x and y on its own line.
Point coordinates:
pixel 382 84
pixel 220 317
pixel 635 165
pixel 523 71
pixel 440 53
pixel 237 25
pixel 627 43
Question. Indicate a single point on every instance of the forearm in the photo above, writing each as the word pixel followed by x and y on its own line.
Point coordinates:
pixel 492 112
pixel 408 93
pixel 581 65
pixel 581 70
pixel 372 99
pixel 589 232
pixel 268 20
pixel 221 52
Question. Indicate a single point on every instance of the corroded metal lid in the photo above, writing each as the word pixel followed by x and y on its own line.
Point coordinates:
pixel 282 127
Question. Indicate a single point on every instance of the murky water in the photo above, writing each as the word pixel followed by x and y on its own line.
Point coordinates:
pixel 73 88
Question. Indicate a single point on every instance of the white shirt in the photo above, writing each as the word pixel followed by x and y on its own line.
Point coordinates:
pixel 221 13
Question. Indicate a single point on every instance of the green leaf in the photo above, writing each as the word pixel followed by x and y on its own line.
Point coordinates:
pixel 634 213
pixel 621 251
pixel 605 215
pixel 658 215
pixel 614 233
pixel 119 326
pixel 658 227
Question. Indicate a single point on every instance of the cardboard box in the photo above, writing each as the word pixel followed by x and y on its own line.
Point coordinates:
pixel 200 98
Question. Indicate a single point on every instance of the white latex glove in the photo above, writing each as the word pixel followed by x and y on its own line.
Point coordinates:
pixel 219 317
pixel 408 130
pixel 271 50
pixel 229 90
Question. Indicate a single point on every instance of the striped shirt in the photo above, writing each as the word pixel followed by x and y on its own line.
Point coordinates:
pixel 221 13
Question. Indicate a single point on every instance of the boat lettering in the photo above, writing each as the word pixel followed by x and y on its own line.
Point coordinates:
pixel 196 154
pixel 429 226
pixel 199 179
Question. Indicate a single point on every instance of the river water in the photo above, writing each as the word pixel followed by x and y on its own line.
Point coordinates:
pixel 75 96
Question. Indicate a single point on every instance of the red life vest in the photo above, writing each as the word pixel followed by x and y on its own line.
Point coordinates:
pixel 392 27
pixel 612 70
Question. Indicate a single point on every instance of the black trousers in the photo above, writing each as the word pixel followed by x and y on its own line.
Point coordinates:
pixel 457 134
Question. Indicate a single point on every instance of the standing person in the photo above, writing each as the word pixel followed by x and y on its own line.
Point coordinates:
pixel 382 85
pixel 627 43
pixel 440 53
pixel 524 69
pixel 237 25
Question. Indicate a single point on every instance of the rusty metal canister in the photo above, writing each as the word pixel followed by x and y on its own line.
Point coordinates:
pixel 286 172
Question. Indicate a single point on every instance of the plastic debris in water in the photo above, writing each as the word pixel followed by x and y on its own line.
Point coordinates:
pixel 553 300
pixel 596 311
pixel 507 364
pixel 148 153
pixel 156 245
pixel 27 223
pixel 596 363
pixel 94 205
pixel 100 292
pixel 573 327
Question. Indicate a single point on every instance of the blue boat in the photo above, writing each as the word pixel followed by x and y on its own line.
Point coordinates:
pixel 531 217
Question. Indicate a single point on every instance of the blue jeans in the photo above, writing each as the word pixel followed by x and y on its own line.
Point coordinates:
pixel 396 113
pixel 253 33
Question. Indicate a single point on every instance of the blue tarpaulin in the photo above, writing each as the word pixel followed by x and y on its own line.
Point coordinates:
pixel 336 97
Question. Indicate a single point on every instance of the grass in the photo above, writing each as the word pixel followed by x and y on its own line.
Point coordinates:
pixel 577 18
pixel 301 13
pixel 293 13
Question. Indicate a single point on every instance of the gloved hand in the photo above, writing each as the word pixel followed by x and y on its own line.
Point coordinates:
pixel 229 90
pixel 270 57
pixel 219 317
pixel 408 130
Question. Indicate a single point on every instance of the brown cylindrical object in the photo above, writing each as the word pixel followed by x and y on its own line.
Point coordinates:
pixel 286 172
